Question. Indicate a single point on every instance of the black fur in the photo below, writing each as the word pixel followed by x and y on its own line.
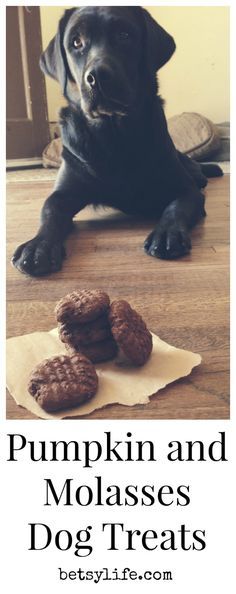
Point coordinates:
pixel 116 146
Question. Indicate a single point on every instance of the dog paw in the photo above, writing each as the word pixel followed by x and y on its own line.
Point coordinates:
pixel 168 243
pixel 38 257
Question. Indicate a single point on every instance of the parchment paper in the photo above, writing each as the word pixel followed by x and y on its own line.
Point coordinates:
pixel 118 382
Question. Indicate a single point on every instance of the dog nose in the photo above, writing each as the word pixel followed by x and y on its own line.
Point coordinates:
pixel 91 79
pixel 100 76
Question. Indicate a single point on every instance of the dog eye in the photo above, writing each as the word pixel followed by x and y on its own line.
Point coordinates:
pixel 78 42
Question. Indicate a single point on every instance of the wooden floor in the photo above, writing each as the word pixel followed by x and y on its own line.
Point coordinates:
pixel 185 302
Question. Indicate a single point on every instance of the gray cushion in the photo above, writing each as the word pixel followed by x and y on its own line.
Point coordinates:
pixel 194 135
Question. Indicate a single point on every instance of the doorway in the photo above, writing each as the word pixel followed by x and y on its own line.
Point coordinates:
pixel 27 128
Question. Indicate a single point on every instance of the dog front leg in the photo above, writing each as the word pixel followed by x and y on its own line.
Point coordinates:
pixel 45 252
pixel 171 239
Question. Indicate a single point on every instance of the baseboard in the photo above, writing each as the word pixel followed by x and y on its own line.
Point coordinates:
pixel 24 163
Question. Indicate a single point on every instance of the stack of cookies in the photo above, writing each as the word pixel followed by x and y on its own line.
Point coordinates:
pixel 83 324
pixel 93 330
pixel 89 324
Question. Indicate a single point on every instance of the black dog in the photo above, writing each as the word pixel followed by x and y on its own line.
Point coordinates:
pixel 116 146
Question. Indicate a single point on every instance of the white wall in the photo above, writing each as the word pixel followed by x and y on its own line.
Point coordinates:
pixel 197 77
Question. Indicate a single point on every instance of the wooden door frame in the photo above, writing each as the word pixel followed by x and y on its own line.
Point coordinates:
pixel 35 125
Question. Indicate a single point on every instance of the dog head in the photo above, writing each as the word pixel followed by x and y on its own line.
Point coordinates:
pixel 100 56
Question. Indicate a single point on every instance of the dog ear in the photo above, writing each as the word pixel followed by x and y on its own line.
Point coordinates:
pixel 160 45
pixel 53 61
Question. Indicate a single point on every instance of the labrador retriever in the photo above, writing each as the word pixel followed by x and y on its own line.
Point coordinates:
pixel 116 147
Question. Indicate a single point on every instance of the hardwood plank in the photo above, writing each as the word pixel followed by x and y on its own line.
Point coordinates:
pixel 185 302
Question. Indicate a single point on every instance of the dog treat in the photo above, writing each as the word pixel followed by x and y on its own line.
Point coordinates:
pixel 63 382
pixel 97 352
pixel 130 332
pixel 82 306
pixel 85 334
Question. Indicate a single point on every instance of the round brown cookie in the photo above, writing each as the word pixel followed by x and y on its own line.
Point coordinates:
pixel 130 332
pixel 95 331
pixel 63 381
pixel 82 306
pixel 98 351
